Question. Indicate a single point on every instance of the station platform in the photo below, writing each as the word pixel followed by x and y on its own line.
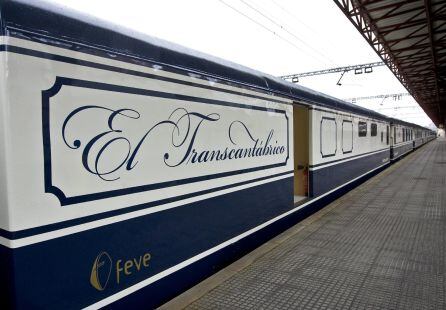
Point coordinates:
pixel 380 246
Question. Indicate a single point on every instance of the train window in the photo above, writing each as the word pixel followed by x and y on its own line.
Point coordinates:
pixel 373 129
pixel 362 129
pixel 404 134
pixel 387 135
pixel 382 136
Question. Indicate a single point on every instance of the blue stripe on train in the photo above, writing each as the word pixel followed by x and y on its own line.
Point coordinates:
pixel 325 179
pixel 182 279
pixel 56 274
pixel 418 142
pixel 6 279
pixel 398 151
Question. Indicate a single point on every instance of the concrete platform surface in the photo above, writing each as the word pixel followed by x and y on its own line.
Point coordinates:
pixel 381 246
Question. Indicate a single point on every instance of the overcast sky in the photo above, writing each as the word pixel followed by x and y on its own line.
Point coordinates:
pixel 278 37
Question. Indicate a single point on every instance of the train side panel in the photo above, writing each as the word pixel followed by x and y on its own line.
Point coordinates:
pixel 345 146
pixel 6 257
pixel 401 145
pixel 132 168
pixel 126 176
pixel 418 141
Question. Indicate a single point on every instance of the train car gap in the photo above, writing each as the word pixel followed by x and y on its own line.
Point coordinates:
pixel 301 152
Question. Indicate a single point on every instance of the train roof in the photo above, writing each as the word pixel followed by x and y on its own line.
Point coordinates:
pixel 404 123
pixel 50 23
pixel 401 122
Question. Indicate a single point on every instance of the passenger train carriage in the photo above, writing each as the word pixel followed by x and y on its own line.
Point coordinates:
pixel 406 136
pixel 345 144
pixel 402 138
pixel 132 168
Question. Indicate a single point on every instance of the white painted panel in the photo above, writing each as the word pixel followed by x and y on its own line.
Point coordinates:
pixel 347 136
pixel 328 137
pixel 229 122
pixel 361 145
pixel 118 141
pixel 4 120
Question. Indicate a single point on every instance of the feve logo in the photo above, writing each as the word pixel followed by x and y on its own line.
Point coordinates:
pixel 100 273
pixel 103 265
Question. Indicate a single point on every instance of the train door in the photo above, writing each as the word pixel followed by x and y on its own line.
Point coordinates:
pixel 394 135
pixel 301 152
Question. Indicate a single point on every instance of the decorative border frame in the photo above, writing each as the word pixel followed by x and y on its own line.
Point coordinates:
pixel 336 136
pixel 351 150
pixel 64 200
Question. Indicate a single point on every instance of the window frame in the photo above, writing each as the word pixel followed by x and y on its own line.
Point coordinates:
pixel 373 129
pixel 362 133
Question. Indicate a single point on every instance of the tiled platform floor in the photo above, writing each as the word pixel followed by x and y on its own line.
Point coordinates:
pixel 381 247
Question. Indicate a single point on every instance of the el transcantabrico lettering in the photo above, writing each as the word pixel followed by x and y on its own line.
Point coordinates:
pixel 184 127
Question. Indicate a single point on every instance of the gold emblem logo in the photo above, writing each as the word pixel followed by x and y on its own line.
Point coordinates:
pixel 100 273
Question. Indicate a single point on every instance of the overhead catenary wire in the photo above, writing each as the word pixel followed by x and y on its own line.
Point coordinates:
pixel 297 19
pixel 334 70
pixel 293 16
pixel 266 28
pixel 405 114
pixel 385 96
pixel 272 22
pixel 401 107
pixel 282 27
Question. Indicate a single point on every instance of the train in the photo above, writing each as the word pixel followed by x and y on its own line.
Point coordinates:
pixel 133 168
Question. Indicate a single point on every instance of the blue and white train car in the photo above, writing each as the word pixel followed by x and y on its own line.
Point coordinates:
pixel 346 143
pixel 422 135
pixel 418 139
pixel 405 137
pixel 401 138
pixel 131 168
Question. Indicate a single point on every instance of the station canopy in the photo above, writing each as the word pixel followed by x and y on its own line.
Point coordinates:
pixel 410 37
